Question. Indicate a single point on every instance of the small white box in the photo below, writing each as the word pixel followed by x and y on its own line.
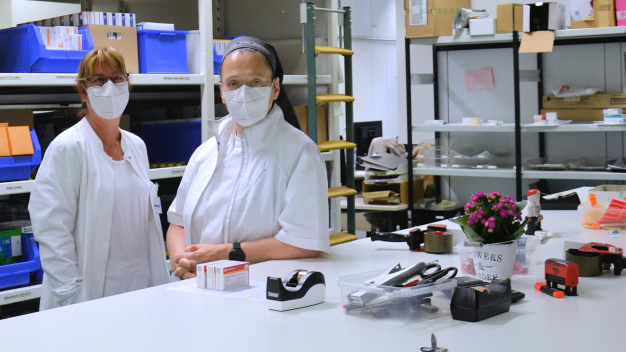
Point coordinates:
pixel 75 42
pixel 614 119
pixel 223 275
pixel 118 19
pixel 156 26
pixel 482 26
pixel 474 121
pixel 434 122
pixel 612 111
pixel 495 122
pixel 604 193
pixel 551 116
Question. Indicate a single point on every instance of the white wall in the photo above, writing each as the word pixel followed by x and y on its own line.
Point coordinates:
pixel 374 62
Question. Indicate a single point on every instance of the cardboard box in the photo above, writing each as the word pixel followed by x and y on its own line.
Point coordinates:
pixel 398 187
pixel 18 117
pixel 223 275
pixel 604 13
pixel 302 112
pixel 510 18
pixel 577 114
pixel 594 101
pixel 583 24
pixel 433 20
pixel 604 193
pixel 123 39
pixel 482 26
pixel 546 16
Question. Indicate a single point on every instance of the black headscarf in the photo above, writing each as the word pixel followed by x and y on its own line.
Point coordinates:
pixel 277 70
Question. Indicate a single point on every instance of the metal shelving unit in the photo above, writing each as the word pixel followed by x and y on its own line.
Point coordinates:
pixel 563 37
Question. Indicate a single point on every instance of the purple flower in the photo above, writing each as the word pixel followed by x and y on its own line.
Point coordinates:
pixel 477 196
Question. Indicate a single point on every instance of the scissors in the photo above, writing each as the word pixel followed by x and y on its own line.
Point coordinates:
pixel 423 276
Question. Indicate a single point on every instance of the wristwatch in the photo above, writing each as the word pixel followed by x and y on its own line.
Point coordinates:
pixel 237 253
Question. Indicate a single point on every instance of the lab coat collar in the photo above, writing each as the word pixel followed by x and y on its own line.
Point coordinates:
pixel 256 136
pixel 93 138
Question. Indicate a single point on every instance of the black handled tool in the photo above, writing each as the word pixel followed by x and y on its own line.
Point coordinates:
pixel 414 239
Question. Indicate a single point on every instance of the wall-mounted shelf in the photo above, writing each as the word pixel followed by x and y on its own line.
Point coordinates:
pixel 582 127
pixel 69 79
pixel 575 175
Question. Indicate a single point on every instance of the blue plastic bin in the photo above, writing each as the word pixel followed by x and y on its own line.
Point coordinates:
pixel 18 274
pixel 162 51
pixel 24 51
pixel 217 61
pixel 170 142
pixel 19 167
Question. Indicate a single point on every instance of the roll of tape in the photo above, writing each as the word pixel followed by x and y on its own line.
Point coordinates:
pixel 438 242
pixel 589 264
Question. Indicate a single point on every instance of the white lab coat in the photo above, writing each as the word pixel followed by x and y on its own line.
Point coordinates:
pixel 281 188
pixel 71 207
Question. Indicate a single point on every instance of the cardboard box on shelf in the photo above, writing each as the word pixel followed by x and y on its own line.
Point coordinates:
pixel 577 114
pixel 510 18
pixel 398 187
pixel 482 26
pixel 604 13
pixel 123 39
pixel 17 117
pixel 594 101
pixel 583 24
pixel 544 16
pixel 302 112
pixel 431 18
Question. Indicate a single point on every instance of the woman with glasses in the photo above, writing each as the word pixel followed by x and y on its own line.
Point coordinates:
pixel 93 207
pixel 258 190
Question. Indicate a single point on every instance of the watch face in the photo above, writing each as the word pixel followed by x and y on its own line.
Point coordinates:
pixel 237 254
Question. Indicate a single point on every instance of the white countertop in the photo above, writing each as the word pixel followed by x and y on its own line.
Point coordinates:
pixel 161 319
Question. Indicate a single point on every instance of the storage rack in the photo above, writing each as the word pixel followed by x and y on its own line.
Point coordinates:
pixel 563 37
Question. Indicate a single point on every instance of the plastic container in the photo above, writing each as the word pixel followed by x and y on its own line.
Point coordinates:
pixel 549 163
pixel 217 61
pixel 182 136
pixel 434 156
pixel 162 51
pixel 19 167
pixel 401 304
pixel 24 51
pixel 524 263
pixel 590 164
pixel 480 160
pixel 601 216
pixel 18 274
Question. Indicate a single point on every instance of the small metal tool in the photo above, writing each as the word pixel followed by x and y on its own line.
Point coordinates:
pixel 433 347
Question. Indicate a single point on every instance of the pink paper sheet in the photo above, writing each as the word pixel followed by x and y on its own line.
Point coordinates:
pixel 481 79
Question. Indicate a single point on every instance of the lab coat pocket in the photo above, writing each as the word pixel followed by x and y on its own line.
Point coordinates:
pixel 63 293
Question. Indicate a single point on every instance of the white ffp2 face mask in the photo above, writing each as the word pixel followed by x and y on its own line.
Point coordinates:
pixel 248 105
pixel 110 100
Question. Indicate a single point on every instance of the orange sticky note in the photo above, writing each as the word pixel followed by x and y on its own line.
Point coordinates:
pixel 4 142
pixel 20 142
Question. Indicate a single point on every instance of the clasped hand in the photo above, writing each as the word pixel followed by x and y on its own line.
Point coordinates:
pixel 194 255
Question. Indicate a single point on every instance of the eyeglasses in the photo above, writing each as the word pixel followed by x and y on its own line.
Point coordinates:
pixel 100 80
pixel 256 83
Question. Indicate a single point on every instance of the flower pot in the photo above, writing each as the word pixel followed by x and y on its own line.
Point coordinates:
pixel 495 260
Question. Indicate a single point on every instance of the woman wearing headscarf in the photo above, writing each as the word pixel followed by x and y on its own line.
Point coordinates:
pixel 258 190
pixel 93 205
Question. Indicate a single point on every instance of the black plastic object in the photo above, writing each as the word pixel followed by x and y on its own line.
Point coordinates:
pixel 566 202
pixel 414 239
pixel 295 287
pixel 471 304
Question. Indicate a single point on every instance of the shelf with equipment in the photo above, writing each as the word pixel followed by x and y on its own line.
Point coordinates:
pixel 511 42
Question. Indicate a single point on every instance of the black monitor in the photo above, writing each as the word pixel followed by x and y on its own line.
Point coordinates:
pixel 364 132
